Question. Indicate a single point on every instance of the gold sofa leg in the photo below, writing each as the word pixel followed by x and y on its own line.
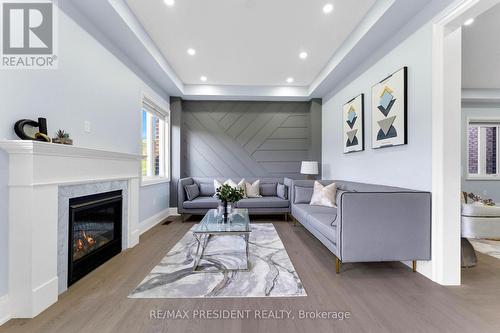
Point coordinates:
pixel 337 265
pixel 414 264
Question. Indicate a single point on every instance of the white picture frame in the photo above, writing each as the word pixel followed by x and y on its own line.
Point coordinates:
pixel 353 124
pixel 390 110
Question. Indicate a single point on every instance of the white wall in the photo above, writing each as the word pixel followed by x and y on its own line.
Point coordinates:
pixel 485 188
pixel 406 166
pixel 91 84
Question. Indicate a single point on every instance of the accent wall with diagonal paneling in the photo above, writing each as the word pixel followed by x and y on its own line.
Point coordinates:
pixel 248 139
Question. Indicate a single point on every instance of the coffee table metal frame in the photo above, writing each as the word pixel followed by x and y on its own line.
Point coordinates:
pixel 203 237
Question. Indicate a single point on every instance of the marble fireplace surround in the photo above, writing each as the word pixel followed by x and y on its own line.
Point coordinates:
pixel 75 191
pixel 40 175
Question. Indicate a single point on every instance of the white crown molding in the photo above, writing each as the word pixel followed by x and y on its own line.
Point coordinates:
pixel 481 97
pixel 268 93
pixel 135 26
pixel 373 16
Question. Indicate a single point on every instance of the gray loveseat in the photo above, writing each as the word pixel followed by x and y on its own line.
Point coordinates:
pixel 270 203
pixel 370 223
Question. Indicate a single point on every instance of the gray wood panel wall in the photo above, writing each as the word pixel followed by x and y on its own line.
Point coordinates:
pixel 247 139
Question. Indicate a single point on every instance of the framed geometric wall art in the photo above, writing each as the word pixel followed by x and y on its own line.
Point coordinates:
pixel 389 110
pixel 353 124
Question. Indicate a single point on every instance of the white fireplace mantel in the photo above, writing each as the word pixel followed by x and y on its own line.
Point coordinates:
pixel 36 170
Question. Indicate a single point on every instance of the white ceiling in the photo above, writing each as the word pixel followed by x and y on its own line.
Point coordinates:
pixel 249 42
pixel 481 51
pixel 256 42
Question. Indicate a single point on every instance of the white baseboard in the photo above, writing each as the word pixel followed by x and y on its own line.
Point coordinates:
pixel 155 219
pixel 44 296
pixel 5 314
pixel 173 211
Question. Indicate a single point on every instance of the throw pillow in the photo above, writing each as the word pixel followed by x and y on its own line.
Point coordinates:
pixel 241 185
pixel 282 191
pixel 217 184
pixel 192 191
pixel 302 195
pixel 230 182
pixel 324 195
pixel 252 190
pixel 268 190
pixel 206 190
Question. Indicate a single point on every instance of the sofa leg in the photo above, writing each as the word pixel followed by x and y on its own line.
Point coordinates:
pixel 337 265
pixel 286 217
pixel 414 266
pixel 184 217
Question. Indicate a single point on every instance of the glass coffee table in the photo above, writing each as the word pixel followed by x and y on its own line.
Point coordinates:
pixel 212 224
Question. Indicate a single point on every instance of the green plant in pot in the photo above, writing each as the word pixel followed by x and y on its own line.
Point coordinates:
pixel 62 137
pixel 227 194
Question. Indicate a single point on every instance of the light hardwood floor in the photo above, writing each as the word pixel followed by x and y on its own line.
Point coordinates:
pixel 381 297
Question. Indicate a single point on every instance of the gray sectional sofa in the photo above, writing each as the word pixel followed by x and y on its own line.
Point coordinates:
pixel 270 203
pixel 370 223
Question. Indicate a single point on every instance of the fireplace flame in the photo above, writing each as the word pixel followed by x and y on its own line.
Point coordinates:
pixel 79 244
pixel 84 241
pixel 90 240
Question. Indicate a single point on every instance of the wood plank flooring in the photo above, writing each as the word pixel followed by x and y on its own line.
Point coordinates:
pixel 381 297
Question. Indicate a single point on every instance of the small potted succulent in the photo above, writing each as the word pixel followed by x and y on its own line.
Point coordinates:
pixel 228 194
pixel 62 137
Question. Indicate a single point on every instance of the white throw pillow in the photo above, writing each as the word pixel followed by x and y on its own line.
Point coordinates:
pixel 241 185
pixel 253 190
pixel 324 195
pixel 217 184
pixel 230 182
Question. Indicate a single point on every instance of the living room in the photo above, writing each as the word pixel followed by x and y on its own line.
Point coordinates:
pixel 236 166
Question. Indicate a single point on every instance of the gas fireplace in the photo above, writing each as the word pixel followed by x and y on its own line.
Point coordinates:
pixel 95 232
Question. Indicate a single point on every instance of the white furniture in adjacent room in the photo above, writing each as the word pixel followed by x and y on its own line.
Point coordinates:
pixel 480 221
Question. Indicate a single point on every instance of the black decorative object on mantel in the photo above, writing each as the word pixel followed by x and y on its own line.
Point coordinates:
pixel 226 194
pixel 38 129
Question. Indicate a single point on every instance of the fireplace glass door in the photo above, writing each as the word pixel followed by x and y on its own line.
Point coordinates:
pixel 95 232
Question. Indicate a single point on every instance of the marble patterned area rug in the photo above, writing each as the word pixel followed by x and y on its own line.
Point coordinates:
pixel 489 247
pixel 271 271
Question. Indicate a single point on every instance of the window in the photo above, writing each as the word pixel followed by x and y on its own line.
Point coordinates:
pixel 155 136
pixel 483 149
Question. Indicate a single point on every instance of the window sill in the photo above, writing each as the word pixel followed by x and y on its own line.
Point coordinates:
pixel 496 177
pixel 153 181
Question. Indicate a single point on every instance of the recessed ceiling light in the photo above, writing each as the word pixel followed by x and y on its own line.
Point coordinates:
pixel 303 55
pixel 289 80
pixel 203 78
pixel 169 2
pixel 327 8
pixel 469 21
pixel 191 51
